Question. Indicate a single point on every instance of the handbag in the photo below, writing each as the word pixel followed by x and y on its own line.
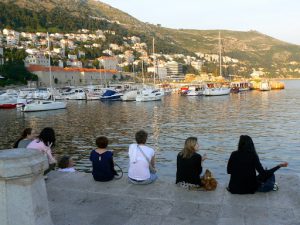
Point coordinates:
pixel 208 182
pixel 151 168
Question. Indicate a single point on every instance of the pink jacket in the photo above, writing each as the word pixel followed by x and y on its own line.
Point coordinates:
pixel 39 145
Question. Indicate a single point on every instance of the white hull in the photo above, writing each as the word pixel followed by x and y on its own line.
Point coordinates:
pixel 43 106
pixel 265 86
pixel 129 96
pixel 72 94
pixel 244 89
pixel 93 96
pixel 148 95
pixel 194 93
pixel 216 91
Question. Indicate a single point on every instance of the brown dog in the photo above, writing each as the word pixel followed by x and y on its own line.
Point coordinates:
pixel 209 183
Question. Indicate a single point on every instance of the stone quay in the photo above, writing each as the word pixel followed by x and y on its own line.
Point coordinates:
pixel 76 199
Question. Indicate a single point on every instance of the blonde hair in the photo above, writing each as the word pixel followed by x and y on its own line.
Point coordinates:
pixel 189 147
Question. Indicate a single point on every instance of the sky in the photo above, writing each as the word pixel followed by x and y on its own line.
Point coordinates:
pixel 277 18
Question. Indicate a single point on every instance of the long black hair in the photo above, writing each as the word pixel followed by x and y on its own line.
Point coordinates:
pixel 47 136
pixel 26 131
pixel 246 144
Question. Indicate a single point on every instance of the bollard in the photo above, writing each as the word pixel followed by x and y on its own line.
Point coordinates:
pixel 23 196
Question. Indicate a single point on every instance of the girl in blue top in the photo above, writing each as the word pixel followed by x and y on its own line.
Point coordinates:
pixel 102 160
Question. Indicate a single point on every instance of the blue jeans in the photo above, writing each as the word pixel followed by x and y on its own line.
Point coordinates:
pixel 268 185
pixel 153 177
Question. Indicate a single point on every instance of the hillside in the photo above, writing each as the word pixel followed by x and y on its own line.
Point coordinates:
pixel 252 48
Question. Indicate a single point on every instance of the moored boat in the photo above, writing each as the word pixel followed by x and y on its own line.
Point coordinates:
pixel 43 106
pixel 129 95
pixel 240 86
pixel 214 89
pixel 149 94
pixel 195 91
pixel 111 95
pixel 265 86
pixel 8 100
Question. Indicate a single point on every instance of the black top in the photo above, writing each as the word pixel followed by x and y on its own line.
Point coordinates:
pixel 103 166
pixel 243 166
pixel 189 170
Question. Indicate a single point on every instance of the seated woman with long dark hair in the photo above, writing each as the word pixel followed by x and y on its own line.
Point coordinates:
pixel 242 167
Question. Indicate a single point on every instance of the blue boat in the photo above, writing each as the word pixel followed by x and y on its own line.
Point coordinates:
pixel 111 95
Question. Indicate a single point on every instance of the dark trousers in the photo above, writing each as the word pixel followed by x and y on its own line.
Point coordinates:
pixel 268 185
pixel 51 167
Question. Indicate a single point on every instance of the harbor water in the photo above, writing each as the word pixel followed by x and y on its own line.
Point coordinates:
pixel 271 118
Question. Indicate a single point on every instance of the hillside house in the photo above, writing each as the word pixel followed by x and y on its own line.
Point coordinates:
pixel 37 59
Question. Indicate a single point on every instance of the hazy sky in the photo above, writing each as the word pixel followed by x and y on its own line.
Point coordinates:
pixel 277 18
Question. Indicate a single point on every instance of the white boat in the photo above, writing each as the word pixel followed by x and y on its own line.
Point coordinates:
pixel 149 94
pixel 41 93
pixel 43 106
pixel 216 91
pixel 27 93
pixel 7 101
pixel 265 86
pixel 194 91
pixel 94 92
pixel 72 93
pixel 111 95
pixel 240 85
pixel 129 95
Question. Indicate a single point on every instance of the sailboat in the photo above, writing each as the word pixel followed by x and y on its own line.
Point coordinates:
pixel 147 94
pixel 213 89
pixel 45 105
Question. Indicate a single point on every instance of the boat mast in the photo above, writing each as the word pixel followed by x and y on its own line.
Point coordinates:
pixel 143 71
pixel 50 70
pixel 220 54
pixel 154 61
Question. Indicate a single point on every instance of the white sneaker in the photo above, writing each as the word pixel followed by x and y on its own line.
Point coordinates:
pixel 275 188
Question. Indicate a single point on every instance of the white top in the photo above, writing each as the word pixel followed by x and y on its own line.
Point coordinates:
pixel 69 170
pixel 138 165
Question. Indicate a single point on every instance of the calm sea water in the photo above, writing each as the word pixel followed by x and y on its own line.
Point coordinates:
pixel 272 119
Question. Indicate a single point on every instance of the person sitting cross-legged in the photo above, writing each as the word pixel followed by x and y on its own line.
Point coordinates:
pixel 141 158
pixel 102 160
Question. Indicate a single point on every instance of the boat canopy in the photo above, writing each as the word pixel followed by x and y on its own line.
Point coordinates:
pixel 109 93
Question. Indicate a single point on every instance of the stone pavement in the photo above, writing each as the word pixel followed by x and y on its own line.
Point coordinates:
pixel 76 199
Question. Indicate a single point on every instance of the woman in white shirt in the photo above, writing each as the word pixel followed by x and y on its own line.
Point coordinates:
pixel 141 159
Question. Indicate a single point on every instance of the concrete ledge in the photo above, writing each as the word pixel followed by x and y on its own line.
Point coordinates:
pixel 75 198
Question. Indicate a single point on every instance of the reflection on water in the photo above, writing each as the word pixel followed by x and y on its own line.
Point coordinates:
pixel 270 118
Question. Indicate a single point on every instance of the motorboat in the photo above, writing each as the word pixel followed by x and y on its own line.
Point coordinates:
pixel 8 99
pixel 129 95
pixel 43 106
pixel 94 92
pixel 240 86
pixel 149 94
pixel 7 102
pixel 41 93
pixel 216 91
pixel 27 93
pixel 265 86
pixel 72 93
pixel 111 95
pixel 194 91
